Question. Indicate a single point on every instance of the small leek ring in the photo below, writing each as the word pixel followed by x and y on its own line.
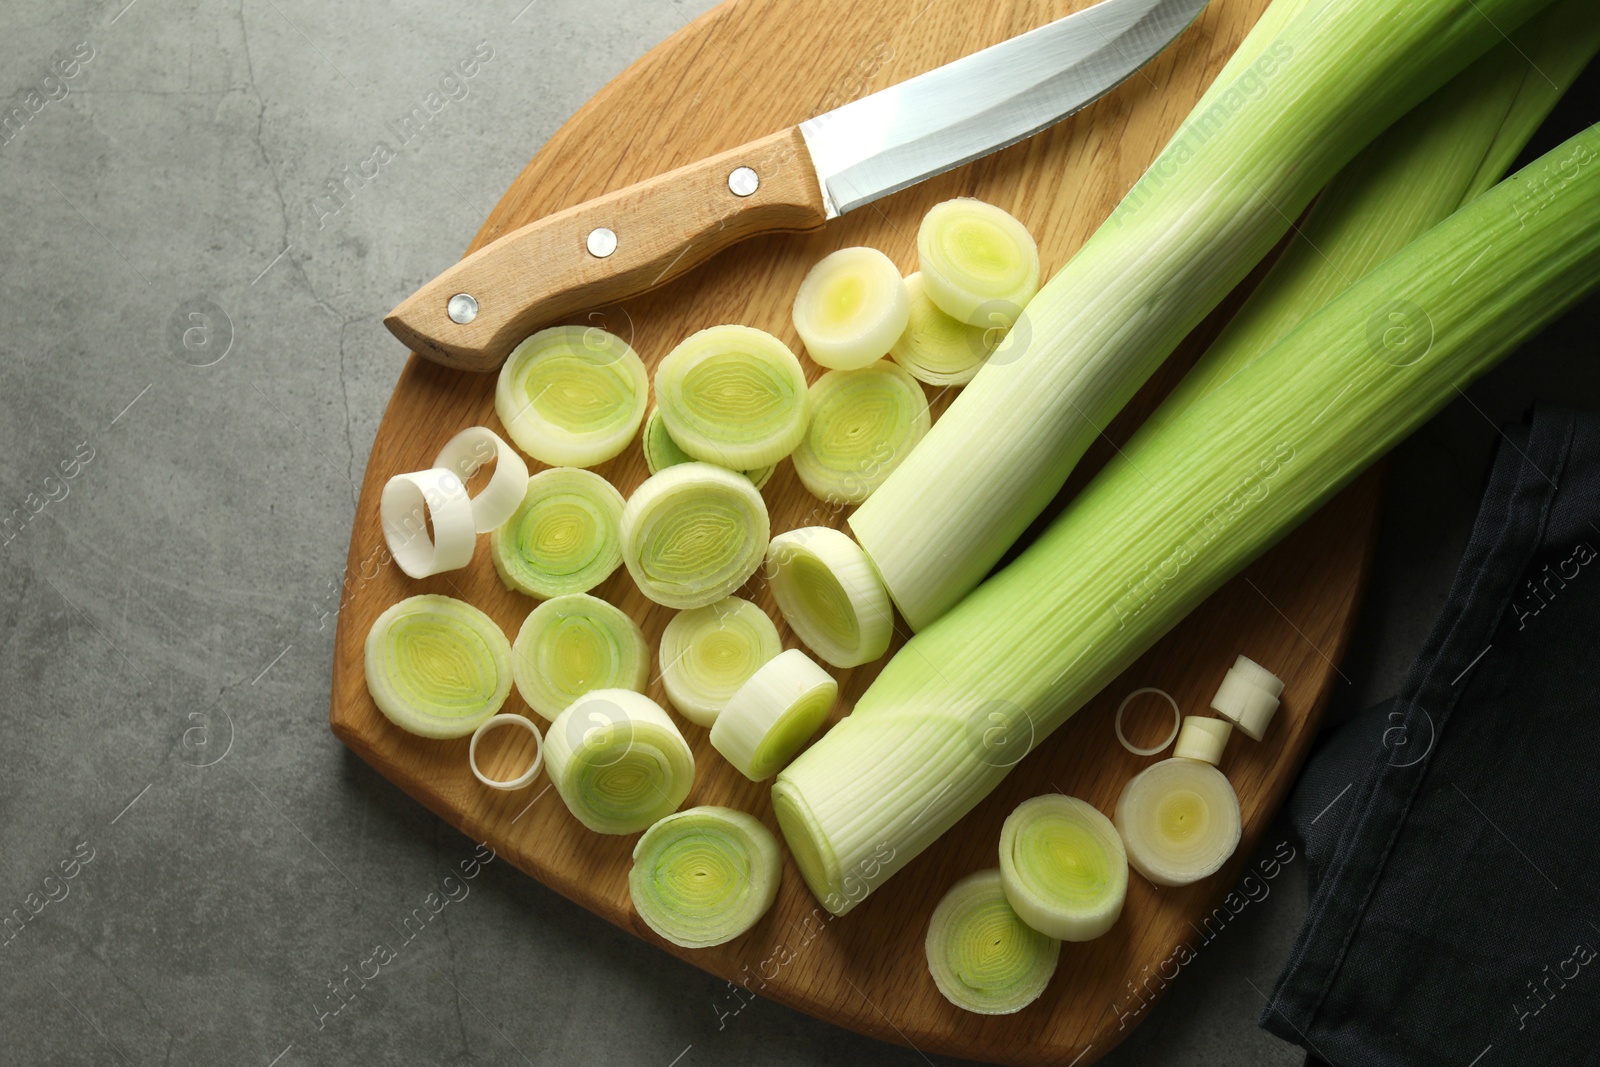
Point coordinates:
pixel 733 396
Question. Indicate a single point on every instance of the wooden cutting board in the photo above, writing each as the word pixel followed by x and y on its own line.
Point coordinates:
pixel 748 68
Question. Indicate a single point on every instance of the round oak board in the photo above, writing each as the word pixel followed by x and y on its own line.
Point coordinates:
pixel 748 68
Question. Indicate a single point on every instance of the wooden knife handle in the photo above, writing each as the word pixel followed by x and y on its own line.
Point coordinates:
pixel 564 263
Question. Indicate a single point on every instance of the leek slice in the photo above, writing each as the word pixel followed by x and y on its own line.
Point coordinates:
pixel 979 264
pixel 773 714
pixel 863 425
pixel 1244 703
pixel 1256 673
pixel 1179 820
pixel 829 595
pixel 413 502
pixel 936 348
pixel 707 653
pixel 572 396
pixel 618 761
pixel 573 645
pixel 437 666
pixel 1203 739
pixel 1177 721
pixel 528 774
pixel 733 396
pixel 693 534
pixel 704 876
pixel 661 451
pixel 1063 867
pixel 851 307
pixel 981 954
pixel 472 448
pixel 565 536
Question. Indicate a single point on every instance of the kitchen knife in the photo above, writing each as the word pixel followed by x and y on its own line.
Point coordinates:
pixel 634 239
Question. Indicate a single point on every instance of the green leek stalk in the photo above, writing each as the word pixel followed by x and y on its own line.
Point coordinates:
pixel 1177 513
pixel 1211 206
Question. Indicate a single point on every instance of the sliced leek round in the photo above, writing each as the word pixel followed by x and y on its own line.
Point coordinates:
pixel 572 396
pixel 1063 867
pixel 565 536
pixel 1258 674
pixel 863 425
pixel 830 595
pixel 471 449
pixel 661 451
pixel 573 645
pixel 1179 820
pixel 1244 703
pixel 707 653
pixel 936 348
pixel 437 666
pixel 733 396
pixel 850 308
pixel 693 534
pixel 979 264
pixel 774 714
pixel 981 954
pixel 704 876
pixel 618 761
pixel 1203 739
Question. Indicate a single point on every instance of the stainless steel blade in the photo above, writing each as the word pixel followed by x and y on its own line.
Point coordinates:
pixel 981 103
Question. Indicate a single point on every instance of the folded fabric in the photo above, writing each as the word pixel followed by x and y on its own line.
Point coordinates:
pixel 1453 833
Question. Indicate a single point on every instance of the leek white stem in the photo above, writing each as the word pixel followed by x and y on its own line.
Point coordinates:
pixel 830 596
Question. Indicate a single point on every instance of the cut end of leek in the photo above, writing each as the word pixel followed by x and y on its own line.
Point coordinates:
pixel 1179 821
pixel 851 307
pixel 774 714
pixel 981 954
pixel 707 653
pixel 661 451
pixel 938 349
pixel 734 396
pixel 437 666
pixel 979 264
pixel 572 396
pixel 1203 739
pixel 565 536
pixel 693 534
pixel 618 761
pixel 704 876
pixel 863 425
pixel 830 595
pixel 573 645
pixel 1063 867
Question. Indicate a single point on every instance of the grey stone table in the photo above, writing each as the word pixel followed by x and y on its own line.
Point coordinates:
pixel 192 368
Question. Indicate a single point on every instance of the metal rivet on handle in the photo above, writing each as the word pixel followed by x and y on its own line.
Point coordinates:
pixel 462 308
pixel 602 242
pixel 743 181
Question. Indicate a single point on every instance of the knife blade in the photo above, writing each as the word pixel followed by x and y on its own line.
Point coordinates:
pixel 634 239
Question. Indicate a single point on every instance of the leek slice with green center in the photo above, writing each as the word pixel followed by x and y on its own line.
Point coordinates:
pixel 864 423
pixel 437 666
pixel 661 451
pixel 1063 867
pixel 981 954
pixel 1179 820
pixel 572 396
pixel 774 714
pixel 979 264
pixel 704 876
pixel 618 761
pixel 850 308
pixel 733 396
pixel 830 595
pixel 707 653
pixel 573 645
pixel 936 348
pixel 693 534
pixel 565 536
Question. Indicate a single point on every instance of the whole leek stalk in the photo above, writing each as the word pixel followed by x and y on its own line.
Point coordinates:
pixel 1216 200
pixel 1180 511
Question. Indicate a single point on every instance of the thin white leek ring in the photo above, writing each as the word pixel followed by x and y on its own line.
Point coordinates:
pixel 521 780
pixel 661 451
pixel 1164 795
pixel 864 423
pixel 830 595
pixel 1177 721
pixel 982 956
pixel 409 502
pixel 734 396
pixel 693 534
pixel 564 536
pixel 707 653
pixel 618 761
pixel 466 452
pixel 572 396
pixel 704 876
pixel 437 666
pixel 850 308
pixel 1063 867
pixel 609 648
pixel 773 714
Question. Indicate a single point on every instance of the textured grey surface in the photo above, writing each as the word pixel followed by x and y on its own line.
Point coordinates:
pixel 166 616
